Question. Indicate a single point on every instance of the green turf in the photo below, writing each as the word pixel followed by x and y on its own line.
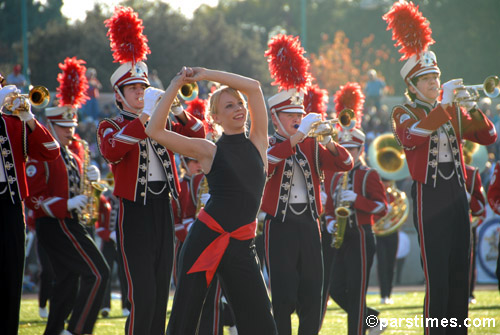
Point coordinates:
pixel 406 305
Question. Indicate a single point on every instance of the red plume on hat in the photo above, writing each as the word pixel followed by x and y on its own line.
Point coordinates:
pixel 126 38
pixel 73 83
pixel 410 29
pixel 287 64
pixel 315 100
pixel 197 108
pixel 350 96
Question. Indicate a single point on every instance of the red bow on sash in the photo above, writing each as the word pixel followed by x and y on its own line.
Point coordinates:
pixel 210 257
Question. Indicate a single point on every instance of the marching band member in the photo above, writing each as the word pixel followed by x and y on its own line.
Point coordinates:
pixel 145 177
pixel 221 240
pixel 106 230
pixel 477 204
pixel 20 136
pixel 431 131
pixel 361 192
pixel 386 250
pixel 493 197
pixel 57 200
pixel 292 200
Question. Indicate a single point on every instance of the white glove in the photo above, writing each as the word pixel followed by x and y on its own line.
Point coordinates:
pixel 6 90
pixel 307 121
pixel 112 236
pixel 468 196
pixel 348 196
pixel 324 196
pixel 151 97
pixel 449 90
pixel 326 139
pixel 321 129
pixel 330 226
pixel 78 202
pixel 204 198
pixel 261 216
pixel 93 173
pixel 468 105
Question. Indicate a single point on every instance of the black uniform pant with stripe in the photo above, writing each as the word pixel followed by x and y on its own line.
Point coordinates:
pixel 12 249
pixel 75 259
pixel 46 276
pixel 295 265
pixel 350 275
pixel 328 253
pixel 108 249
pixel 441 217
pixel 387 248
pixel 145 237
pixel 212 314
pixel 241 279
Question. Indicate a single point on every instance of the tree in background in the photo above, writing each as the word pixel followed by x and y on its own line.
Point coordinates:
pixel 336 63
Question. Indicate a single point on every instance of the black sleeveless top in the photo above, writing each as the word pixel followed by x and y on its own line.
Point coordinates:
pixel 236 182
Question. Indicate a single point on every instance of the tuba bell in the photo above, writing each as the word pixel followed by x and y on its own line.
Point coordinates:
pixel 387 157
pixel 399 210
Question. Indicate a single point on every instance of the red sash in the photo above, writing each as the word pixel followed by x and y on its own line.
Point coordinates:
pixel 210 257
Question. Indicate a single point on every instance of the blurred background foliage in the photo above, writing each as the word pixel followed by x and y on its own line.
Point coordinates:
pixel 344 38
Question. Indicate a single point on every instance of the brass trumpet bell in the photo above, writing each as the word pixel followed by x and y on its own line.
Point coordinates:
pixel 490 86
pixel 387 157
pixel 189 92
pixel 39 96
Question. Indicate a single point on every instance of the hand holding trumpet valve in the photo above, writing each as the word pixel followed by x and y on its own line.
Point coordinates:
pixel 307 121
pixel 464 99
pixel 449 90
pixel 321 130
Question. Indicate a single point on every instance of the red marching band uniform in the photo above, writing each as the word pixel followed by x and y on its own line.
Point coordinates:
pixel 493 197
pixel 17 142
pixel 347 274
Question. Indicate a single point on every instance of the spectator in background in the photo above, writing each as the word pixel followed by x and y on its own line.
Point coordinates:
pixel 374 89
pixel 155 80
pixel 17 78
pixel 91 107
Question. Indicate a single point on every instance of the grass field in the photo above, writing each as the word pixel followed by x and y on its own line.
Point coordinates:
pixel 406 305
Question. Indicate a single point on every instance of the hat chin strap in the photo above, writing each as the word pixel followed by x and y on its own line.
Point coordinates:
pixel 416 89
pixel 117 90
pixel 280 126
pixel 53 131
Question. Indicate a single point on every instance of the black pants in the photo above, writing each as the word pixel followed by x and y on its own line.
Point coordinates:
pixel 350 275
pixel 212 314
pixel 295 264
pixel 241 279
pixel 473 271
pixel 12 249
pixel 441 217
pixel 386 250
pixel 47 276
pixel 146 244
pixel 74 256
pixel 111 255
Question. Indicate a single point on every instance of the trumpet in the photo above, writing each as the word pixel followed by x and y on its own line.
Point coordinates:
pixel 490 86
pixel 345 119
pixel 39 96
